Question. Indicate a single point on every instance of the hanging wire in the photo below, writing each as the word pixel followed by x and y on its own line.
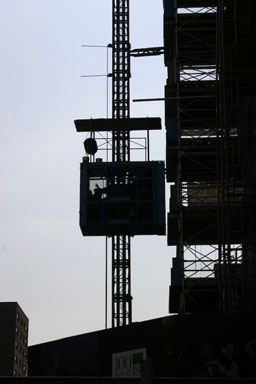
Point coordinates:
pixel 106 284
pixel 107 107
pixel 106 245
pixel 107 102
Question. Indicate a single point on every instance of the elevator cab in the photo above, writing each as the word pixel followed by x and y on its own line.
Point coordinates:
pixel 122 198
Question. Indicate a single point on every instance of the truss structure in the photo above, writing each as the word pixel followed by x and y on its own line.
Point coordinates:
pixel 121 248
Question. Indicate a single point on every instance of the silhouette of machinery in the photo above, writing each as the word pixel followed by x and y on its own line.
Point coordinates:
pixel 121 198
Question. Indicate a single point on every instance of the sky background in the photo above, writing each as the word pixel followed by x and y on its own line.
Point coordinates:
pixel 46 265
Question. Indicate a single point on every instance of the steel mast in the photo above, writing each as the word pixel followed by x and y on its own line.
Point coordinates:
pixel 112 200
pixel 121 245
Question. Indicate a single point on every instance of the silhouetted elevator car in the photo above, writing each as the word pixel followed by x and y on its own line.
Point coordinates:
pixel 122 198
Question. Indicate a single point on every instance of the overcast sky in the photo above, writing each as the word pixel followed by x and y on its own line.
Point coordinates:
pixel 46 265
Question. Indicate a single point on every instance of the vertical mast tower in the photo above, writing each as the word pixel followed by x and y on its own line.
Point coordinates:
pixel 121 198
pixel 121 248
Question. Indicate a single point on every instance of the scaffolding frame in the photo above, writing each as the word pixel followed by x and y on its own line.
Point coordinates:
pixel 208 178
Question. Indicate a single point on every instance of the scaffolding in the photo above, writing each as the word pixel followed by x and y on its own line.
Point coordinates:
pixel 203 155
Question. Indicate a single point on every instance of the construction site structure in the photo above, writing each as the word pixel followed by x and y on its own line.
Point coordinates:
pixel 211 153
pixel 121 198
pixel 210 121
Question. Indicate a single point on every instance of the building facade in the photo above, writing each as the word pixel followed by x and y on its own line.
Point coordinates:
pixel 14 340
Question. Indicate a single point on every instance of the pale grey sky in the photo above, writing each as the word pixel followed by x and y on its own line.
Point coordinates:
pixel 56 274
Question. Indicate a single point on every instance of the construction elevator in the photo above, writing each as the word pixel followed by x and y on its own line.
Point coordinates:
pixel 121 198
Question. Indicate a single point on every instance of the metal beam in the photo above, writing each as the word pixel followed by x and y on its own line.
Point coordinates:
pixel 150 51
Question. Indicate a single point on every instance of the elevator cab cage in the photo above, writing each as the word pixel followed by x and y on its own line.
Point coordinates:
pixel 122 198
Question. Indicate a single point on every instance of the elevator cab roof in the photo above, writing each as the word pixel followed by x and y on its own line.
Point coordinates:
pixel 131 124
